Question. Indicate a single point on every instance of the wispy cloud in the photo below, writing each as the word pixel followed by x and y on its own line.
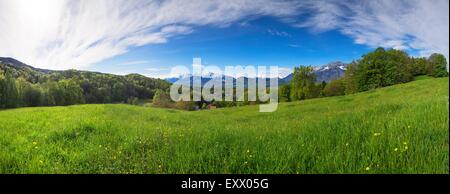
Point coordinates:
pixel 294 45
pixel 62 34
pixel 421 25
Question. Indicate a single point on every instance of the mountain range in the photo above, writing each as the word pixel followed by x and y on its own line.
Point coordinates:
pixel 326 73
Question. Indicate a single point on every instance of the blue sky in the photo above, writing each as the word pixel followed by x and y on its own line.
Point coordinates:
pixel 149 37
pixel 265 41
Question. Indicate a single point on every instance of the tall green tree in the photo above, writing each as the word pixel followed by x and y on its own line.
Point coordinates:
pixel 72 92
pixel 350 79
pixel 437 65
pixel 419 66
pixel 9 95
pixel 161 99
pixel 284 93
pixel 382 68
pixel 303 83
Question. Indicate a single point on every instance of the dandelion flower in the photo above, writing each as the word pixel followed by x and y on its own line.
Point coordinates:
pixel 347 144
pixel 404 143
pixel 34 143
pixel 367 168
pixel 406 147
pixel 248 151
pixel 396 149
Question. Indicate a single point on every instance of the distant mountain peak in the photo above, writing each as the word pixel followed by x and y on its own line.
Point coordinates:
pixel 327 73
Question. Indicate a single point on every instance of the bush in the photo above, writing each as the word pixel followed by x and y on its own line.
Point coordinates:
pixel 162 99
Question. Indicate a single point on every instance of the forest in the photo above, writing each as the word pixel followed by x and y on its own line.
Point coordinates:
pixel 22 86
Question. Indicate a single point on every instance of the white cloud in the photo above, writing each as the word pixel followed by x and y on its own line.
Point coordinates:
pixel 421 25
pixel 274 32
pixel 63 34
pixel 284 71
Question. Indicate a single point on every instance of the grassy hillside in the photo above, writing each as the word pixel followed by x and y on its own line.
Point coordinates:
pixel 399 129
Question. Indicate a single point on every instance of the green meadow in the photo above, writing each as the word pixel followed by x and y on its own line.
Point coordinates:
pixel 398 129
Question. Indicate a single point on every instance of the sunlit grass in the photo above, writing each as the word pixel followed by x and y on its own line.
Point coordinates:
pixel 399 129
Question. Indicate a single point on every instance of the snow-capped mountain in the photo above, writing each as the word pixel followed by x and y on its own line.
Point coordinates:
pixel 328 72
pixel 331 71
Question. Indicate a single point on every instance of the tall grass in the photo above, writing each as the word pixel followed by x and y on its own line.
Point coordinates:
pixel 399 129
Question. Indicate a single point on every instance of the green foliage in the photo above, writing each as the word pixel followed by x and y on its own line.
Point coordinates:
pixel 9 95
pixel 349 78
pixel 437 65
pixel 23 86
pixel 71 92
pixel 31 95
pixel 335 88
pixel 382 68
pixel 162 99
pixel 419 66
pixel 398 129
pixel 376 69
pixel 303 83
pixel 284 93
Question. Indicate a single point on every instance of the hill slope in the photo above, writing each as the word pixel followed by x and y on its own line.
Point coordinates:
pixel 399 129
pixel 96 87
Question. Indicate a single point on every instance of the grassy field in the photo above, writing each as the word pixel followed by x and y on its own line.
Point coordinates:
pixel 399 129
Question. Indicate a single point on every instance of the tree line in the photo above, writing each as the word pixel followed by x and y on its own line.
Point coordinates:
pixel 376 69
pixel 24 87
